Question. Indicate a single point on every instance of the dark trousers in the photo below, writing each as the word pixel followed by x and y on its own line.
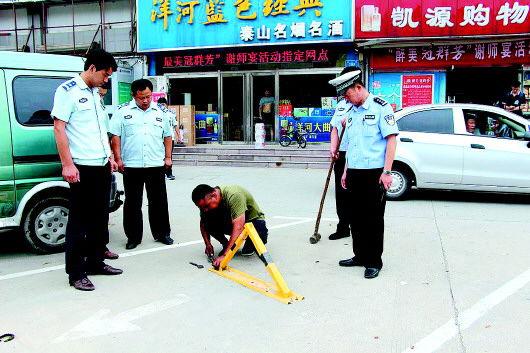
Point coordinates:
pixel 169 171
pixel 88 220
pixel 218 222
pixel 367 199
pixel 341 196
pixel 134 180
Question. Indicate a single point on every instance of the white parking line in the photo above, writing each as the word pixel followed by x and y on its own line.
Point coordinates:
pixel 449 330
pixel 301 220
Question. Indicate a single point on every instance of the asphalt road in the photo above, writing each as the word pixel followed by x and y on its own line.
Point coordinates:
pixel 455 279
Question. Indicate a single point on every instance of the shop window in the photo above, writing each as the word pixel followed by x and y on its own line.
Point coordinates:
pixel 438 121
pixel 33 98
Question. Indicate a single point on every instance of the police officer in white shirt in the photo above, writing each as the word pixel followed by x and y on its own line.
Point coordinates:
pixel 371 132
pixel 142 147
pixel 341 195
pixel 80 127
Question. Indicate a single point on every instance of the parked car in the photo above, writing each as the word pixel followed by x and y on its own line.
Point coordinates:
pixel 33 194
pixel 436 151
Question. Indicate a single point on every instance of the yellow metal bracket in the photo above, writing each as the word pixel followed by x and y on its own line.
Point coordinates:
pixel 277 290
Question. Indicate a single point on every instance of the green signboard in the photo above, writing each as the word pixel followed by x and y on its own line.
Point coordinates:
pixel 124 92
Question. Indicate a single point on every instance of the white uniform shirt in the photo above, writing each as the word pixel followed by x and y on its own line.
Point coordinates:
pixel 142 134
pixel 86 122
pixel 366 130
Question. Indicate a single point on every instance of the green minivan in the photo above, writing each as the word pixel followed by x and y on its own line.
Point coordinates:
pixel 33 194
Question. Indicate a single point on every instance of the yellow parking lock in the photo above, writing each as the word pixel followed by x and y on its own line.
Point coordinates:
pixel 277 290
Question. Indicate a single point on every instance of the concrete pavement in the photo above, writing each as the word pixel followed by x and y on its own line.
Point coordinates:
pixel 455 279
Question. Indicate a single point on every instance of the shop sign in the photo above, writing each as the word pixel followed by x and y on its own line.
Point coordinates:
pixel 246 58
pixel 318 128
pixel 443 56
pixel 440 18
pixel 177 25
pixel 416 90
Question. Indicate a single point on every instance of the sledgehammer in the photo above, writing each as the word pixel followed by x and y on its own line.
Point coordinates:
pixel 316 236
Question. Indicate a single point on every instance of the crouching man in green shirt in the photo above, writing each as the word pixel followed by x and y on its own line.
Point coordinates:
pixel 225 210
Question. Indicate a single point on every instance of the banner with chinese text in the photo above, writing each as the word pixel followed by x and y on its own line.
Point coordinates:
pixel 440 18
pixel 177 25
pixel 389 86
pixel 318 128
pixel 210 59
pixel 459 55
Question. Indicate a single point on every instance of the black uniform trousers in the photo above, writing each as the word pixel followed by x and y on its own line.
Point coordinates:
pixel 341 195
pixel 134 180
pixel 218 222
pixel 88 220
pixel 367 199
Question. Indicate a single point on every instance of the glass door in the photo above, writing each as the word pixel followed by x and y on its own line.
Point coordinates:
pixel 234 111
pixel 263 103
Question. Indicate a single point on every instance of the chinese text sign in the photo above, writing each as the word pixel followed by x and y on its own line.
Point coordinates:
pixel 440 18
pixel 175 25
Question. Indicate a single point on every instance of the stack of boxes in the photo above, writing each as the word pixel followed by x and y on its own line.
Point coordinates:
pixel 186 120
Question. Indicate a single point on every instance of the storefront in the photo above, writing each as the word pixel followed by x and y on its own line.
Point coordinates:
pixel 456 51
pixel 263 64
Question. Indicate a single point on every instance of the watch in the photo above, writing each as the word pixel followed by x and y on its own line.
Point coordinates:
pixel 387 172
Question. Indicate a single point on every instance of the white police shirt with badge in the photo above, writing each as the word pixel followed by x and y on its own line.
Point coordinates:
pixel 366 130
pixel 341 111
pixel 142 134
pixel 86 122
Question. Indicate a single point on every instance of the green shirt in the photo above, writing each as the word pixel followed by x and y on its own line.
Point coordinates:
pixel 239 201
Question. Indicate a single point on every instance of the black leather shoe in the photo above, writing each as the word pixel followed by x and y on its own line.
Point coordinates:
pixel 350 262
pixel 165 240
pixel 110 255
pixel 371 272
pixel 106 270
pixel 83 284
pixel 338 235
pixel 131 245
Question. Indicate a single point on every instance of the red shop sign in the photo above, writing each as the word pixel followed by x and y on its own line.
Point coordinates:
pixel 443 56
pixel 247 58
pixel 416 90
pixel 440 18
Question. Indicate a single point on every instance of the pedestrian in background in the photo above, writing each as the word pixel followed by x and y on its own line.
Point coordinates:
pixel 515 99
pixel 371 132
pixel 80 128
pixel 142 146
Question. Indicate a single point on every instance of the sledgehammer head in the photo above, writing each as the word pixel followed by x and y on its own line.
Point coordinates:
pixel 315 238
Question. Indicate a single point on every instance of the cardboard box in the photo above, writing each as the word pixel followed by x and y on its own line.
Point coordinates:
pixel 187 119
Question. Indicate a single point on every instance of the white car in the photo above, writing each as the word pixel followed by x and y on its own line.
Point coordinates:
pixel 436 151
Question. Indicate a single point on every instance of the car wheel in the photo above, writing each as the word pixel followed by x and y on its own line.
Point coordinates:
pixel 45 225
pixel 400 185
pixel 285 141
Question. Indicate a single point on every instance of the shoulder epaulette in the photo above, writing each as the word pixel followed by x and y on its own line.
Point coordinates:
pixel 123 105
pixel 69 84
pixel 380 101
